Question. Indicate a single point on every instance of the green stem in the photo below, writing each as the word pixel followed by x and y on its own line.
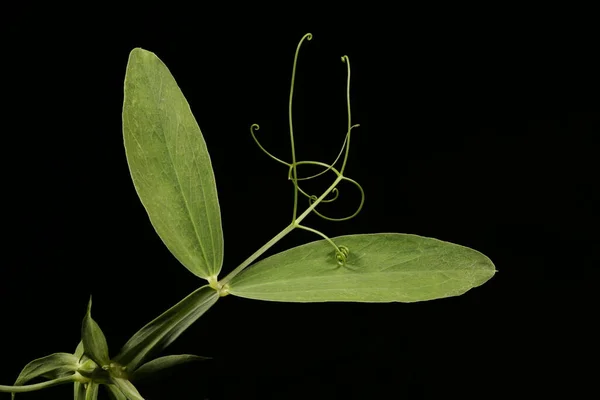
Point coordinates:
pixel 279 236
pixel 256 254
pixel 325 193
pixel 37 386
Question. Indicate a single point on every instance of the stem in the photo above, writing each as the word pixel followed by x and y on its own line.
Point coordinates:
pixel 325 193
pixel 279 236
pixel 37 386
pixel 256 254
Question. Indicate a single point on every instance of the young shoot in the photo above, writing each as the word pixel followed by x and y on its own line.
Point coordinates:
pixel 172 173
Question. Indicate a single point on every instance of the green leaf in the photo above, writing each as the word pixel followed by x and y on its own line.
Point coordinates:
pixel 170 165
pixel 127 389
pixel 60 366
pixel 93 339
pixel 91 392
pixel 381 267
pixel 115 393
pixel 79 350
pixel 161 332
pixel 150 368
pixel 37 386
pixel 53 366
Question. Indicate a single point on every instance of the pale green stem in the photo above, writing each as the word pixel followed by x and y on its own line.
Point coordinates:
pixel 325 193
pixel 256 254
pixel 37 386
pixel 279 236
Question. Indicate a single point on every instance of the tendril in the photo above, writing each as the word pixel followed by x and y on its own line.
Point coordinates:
pixel 293 166
pixel 308 36
pixel 346 60
pixel 341 255
pixel 360 206
pixel 256 127
pixel 346 140
pixel 319 163
pixel 341 252
pixel 329 167
pixel 334 198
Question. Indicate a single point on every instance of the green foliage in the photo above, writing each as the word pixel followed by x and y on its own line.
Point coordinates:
pixel 91 391
pixel 93 339
pixel 127 389
pixel 90 365
pixel 172 173
pixel 57 366
pixel 115 393
pixel 380 267
pixel 157 365
pixel 52 366
pixel 161 332
pixel 170 165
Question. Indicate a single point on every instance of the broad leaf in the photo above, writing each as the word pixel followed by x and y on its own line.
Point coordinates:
pixel 161 332
pixel 54 366
pixel 93 339
pixel 150 368
pixel 382 267
pixel 127 389
pixel 170 165
pixel 57 364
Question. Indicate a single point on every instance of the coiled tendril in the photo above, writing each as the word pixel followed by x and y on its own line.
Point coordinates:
pixel 341 255
pixel 341 252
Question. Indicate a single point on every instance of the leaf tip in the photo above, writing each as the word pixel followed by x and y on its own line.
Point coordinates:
pixel 89 307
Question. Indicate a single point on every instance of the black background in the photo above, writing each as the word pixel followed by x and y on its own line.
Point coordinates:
pixel 477 128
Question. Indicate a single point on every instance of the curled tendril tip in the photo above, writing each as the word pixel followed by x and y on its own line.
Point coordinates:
pixel 360 206
pixel 253 129
pixel 341 255
pixel 311 198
